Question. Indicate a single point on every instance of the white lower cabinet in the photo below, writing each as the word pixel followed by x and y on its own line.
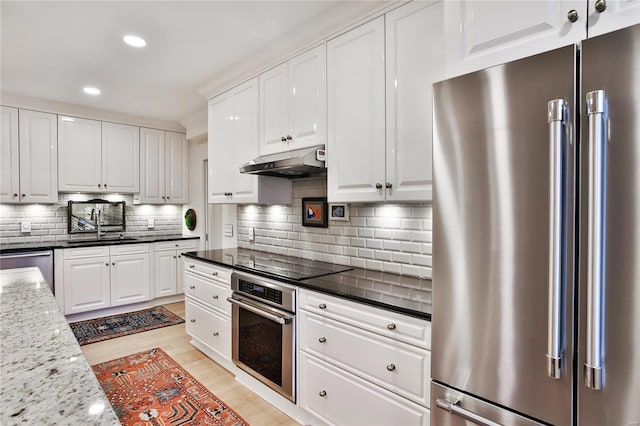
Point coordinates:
pixel 101 277
pixel 207 311
pixel 168 265
pixel 353 357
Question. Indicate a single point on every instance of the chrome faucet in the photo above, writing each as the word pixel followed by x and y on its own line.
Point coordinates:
pixel 99 224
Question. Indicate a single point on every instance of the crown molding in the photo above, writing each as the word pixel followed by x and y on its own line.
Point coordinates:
pixel 347 15
pixel 55 107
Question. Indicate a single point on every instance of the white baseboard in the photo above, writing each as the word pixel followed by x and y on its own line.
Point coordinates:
pixel 82 316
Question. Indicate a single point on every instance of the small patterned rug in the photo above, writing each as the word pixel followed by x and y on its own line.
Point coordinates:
pixel 150 388
pixel 99 329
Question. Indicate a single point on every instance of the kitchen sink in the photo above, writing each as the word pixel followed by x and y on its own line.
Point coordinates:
pixel 105 241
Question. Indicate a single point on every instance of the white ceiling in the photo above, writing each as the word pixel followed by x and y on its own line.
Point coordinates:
pixel 52 49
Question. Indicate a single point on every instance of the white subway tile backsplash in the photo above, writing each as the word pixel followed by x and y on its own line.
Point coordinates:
pixel 380 237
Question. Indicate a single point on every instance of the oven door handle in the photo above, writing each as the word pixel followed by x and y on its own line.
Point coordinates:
pixel 264 311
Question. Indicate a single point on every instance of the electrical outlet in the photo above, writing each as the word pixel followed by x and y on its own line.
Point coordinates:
pixel 228 230
pixel 151 223
pixel 252 234
pixel 25 226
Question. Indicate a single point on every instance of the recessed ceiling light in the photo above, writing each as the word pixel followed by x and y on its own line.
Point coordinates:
pixel 134 41
pixel 91 90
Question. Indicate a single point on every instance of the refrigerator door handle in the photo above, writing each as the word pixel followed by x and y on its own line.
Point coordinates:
pixel 557 113
pixel 594 354
pixel 454 408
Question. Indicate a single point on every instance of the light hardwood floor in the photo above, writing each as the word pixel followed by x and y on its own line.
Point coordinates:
pixel 175 342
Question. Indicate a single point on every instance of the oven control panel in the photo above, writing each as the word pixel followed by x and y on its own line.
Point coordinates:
pixel 262 292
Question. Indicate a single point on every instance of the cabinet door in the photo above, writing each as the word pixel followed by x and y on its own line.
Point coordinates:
pixel 618 14
pixel 176 174
pixel 308 98
pixel 274 118
pixel 356 114
pixel 38 157
pixel 80 155
pixel 220 148
pixel 209 327
pixel 130 281
pixel 120 158
pixel 152 168
pixel 9 157
pixel 86 284
pixel 165 269
pixel 415 60
pixel 244 109
pixel 481 34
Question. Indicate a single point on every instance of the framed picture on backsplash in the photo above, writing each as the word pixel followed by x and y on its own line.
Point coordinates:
pixel 315 212
pixel 339 212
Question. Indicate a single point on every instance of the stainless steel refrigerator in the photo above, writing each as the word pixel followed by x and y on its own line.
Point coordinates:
pixel 536 244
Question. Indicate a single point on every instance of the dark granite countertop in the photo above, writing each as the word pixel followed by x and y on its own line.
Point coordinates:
pixel 50 245
pixel 398 293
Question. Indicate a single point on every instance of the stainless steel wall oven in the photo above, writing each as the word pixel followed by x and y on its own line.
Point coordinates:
pixel 263 330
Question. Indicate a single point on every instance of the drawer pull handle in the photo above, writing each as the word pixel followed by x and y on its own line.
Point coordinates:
pixel 215 296
pixel 391 367
pixel 322 339
pixel 391 326
pixel 192 266
pixel 193 320
pixel 192 287
pixel 322 306
pixel 215 333
pixel 322 393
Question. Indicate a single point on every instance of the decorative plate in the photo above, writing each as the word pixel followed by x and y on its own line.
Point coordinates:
pixel 190 219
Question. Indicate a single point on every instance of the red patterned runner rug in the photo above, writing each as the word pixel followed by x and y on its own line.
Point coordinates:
pixel 150 388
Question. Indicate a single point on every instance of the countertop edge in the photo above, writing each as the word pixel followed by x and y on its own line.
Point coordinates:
pixel 53 245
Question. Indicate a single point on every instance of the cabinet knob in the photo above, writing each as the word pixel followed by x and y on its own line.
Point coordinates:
pixel 322 393
pixel 163 197
pixel 99 186
pixel 388 185
pixel 572 16
pixel 168 198
pixel 322 339
pixel 391 367
pixel 215 297
pixel 113 263
pixel 15 195
pixel 391 326
pixel 378 185
pixel 289 137
pixel 192 266
pixel 215 333
pixel 192 287
pixel 601 6
pixel 106 264
pixel 193 320
pixel 177 245
pixel 322 306
pixel 174 257
pixel 24 195
pixel 283 139
pixel 215 274
pixel 105 186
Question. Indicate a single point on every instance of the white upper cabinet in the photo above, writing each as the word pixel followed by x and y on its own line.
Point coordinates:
pixel 233 140
pixel 481 34
pixel 163 167
pixel 414 39
pixel 97 156
pixel 356 114
pixel 609 15
pixel 28 162
pixel 379 105
pixel 293 103
pixel 120 158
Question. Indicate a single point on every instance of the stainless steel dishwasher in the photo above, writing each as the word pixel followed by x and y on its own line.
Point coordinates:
pixel 42 259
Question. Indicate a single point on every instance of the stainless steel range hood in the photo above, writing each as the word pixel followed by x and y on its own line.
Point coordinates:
pixel 298 163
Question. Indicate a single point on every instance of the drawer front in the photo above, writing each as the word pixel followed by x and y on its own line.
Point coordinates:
pixel 208 270
pixel 391 324
pixel 340 398
pixel 396 366
pixel 209 327
pixel 208 291
pixel 129 249
pixel 180 245
pixel 80 253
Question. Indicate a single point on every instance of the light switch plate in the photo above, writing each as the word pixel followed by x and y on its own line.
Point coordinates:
pixel 151 223
pixel 228 230
pixel 25 226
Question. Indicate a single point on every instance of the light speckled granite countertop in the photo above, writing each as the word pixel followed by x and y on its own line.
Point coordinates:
pixel 44 377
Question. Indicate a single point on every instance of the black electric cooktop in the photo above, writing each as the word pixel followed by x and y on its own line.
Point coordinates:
pixel 275 265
